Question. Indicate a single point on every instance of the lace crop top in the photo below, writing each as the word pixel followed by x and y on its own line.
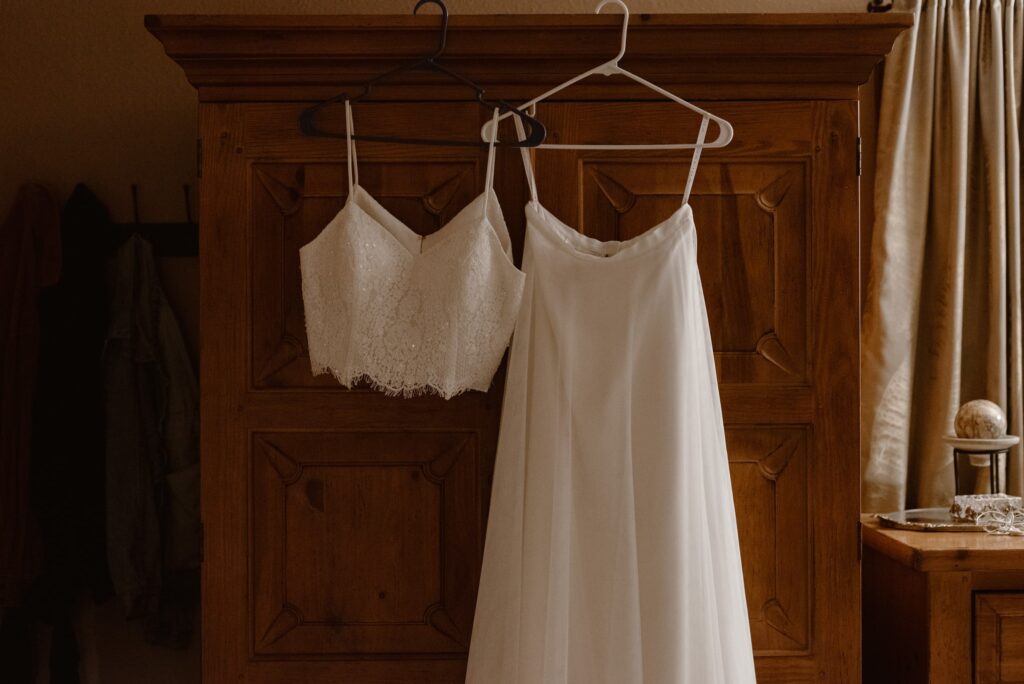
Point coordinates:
pixel 406 313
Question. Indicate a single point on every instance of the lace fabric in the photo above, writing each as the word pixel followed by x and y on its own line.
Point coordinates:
pixel 406 314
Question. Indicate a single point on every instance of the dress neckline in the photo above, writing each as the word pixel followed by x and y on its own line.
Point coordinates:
pixel 576 244
pixel 414 244
pixel 580 246
pixel 417 245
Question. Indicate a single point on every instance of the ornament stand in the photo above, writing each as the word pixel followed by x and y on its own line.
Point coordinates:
pixel 993 466
pixel 978 452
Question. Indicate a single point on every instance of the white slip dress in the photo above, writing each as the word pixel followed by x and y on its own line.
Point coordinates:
pixel 612 554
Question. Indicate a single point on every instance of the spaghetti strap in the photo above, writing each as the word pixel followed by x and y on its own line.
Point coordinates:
pixel 696 158
pixel 527 167
pixel 489 175
pixel 350 150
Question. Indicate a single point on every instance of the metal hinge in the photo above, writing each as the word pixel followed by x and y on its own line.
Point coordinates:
pixel 860 156
pixel 199 157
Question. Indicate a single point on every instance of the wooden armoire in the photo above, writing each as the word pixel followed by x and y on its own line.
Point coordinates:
pixel 343 530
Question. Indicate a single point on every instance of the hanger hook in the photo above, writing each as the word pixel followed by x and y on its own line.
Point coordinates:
pixel 444 23
pixel 625 23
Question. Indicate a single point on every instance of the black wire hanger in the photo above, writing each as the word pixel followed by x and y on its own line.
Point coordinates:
pixel 535 129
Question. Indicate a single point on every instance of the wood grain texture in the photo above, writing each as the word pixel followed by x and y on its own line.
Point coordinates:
pixel 344 528
pixel 223 324
pixel 769 470
pixel 895 627
pixel 834 354
pixel 941 606
pixel 391 514
pixel 917 625
pixel 946 550
pixel 997 580
pixel 949 627
pixel 999 638
pixel 699 55
pixel 749 202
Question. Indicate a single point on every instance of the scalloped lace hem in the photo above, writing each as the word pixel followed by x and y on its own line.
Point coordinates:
pixel 408 391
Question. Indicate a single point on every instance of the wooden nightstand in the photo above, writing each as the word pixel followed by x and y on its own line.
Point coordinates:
pixel 942 607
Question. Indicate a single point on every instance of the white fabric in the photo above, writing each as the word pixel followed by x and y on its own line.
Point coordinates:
pixel 410 314
pixel 942 316
pixel 695 160
pixel 612 555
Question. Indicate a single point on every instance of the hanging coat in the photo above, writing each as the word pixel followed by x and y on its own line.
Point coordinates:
pixel 152 422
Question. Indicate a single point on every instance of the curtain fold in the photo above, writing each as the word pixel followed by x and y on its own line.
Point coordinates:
pixel 942 316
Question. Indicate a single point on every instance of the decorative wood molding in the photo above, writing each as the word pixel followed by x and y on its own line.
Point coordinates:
pixel 437 470
pixel 771 348
pixel 286 192
pixel 776 461
pixel 999 632
pixel 287 350
pixel 771 196
pixel 620 197
pixel 437 617
pixel 715 56
pixel 305 480
pixel 285 466
pixel 781 619
pixel 776 618
pixel 288 619
pixel 438 199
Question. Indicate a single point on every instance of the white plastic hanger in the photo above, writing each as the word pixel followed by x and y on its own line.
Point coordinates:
pixel 612 67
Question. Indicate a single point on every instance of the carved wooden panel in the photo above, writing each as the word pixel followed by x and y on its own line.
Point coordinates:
pixel 999 638
pixel 769 469
pixel 291 203
pixel 363 543
pixel 751 225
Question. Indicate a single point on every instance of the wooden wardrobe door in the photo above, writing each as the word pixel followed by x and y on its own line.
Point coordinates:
pixel 348 526
pixel 777 226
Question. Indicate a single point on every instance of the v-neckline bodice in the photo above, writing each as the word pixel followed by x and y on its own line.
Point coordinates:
pixel 417 245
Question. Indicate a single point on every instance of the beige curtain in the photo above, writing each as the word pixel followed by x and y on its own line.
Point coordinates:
pixel 942 320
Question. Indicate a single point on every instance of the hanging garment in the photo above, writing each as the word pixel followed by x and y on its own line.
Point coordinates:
pixel 66 475
pixel 152 411
pixel 29 261
pixel 612 555
pixel 407 313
